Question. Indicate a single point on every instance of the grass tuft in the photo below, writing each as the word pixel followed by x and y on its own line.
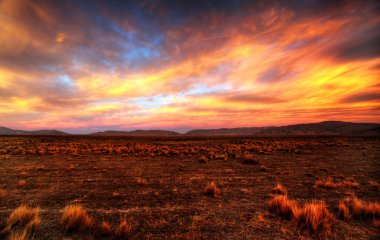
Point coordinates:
pixel 2 192
pixel 283 207
pixel 315 218
pixel 21 183
pixel 22 221
pixel 330 184
pixel 105 228
pixel 326 183
pixel 75 218
pixel 358 209
pixel 141 181
pixel 344 212
pixel 263 168
pixel 279 189
pixel 212 190
pixel 123 230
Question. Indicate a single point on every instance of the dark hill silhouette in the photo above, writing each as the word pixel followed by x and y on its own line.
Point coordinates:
pixel 328 127
pixel 137 133
pixel 8 131
pixel 228 131
pixel 322 128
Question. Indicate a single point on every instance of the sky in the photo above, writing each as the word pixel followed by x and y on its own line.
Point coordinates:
pixel 87 66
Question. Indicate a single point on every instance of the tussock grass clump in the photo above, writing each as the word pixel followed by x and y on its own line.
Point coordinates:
pixel 22 221
pixel 326 183
pixel 105 228
pixel 376 223
pixel 123 230
pixel 358 209
pixel 282 206
pixel 374 184
pixel 279 189
pixel 350 184
pixel 21 183
pixel 244 190
pixel 344 212
pixel 263 168
pixel 315 218
pixel 141 181
pixel 75 218
pixel 330 184
pixel 203 159
pixel 248 159
pixel 212 190
pixel 71 168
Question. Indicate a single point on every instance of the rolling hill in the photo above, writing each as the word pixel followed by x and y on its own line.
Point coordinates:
pixel 137 133
pixel 327 127
pixel 322 128
pixel 9 131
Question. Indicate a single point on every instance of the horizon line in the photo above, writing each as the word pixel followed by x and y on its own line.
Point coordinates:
pixel 176 131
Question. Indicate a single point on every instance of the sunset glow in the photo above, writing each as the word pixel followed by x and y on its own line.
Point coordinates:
pixel 84 66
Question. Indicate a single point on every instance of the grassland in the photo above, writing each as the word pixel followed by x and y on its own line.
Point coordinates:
pixel 91 187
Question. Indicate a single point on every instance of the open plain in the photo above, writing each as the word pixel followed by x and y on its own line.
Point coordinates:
pixel 183 187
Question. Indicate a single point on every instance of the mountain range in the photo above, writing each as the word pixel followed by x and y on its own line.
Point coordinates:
pixel 322 128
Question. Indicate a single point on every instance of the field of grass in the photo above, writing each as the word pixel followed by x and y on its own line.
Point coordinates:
pixel 86 187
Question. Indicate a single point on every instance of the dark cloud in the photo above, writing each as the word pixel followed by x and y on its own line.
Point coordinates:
pixel 362 45
pixel 134 35
pixel 279 72
pixel 253 98
pixel 362 97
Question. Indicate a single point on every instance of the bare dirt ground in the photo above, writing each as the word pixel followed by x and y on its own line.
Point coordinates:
pixel 157 183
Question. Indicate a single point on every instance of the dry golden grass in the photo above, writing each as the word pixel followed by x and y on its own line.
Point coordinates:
pixel 376 223
pixel 330 184
pixel 315 218
pixel 71 168
pixel 326 183
pixel 105 228
pixel 344 212
pixel 283 207
pixel 24 216
pixel 123 230
pixel 350 184
pixel 22 221
pixel 374 184
pixel 244 190
pixel 21 183
pixel 247 159
pixel 203 159
pixel 279 189
pixel 17 236
pixel 263 168
pixel 141 181
pixel 212 190
pixel 260 218
pixel 74 218
pixel 358 209
pixel 2 192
